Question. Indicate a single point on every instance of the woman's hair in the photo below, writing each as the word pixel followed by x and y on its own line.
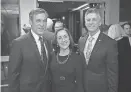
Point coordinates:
pixel 115 31
pixel 60 23
pixel 55 43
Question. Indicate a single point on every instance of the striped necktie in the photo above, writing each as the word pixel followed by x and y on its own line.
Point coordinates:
pixel 89 49
pixel 43 52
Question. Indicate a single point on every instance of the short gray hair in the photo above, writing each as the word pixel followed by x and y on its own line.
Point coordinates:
pixel 37 11
pixel 93 10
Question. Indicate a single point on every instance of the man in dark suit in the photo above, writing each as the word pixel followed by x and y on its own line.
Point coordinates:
pixel 100 51
pixel 49 34
pixel 29 57
pixel 127 29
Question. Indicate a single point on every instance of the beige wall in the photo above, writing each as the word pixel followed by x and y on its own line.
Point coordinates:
pixel 25 7
pixel 112 11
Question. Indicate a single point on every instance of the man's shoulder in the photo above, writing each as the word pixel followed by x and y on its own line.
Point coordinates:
pixel 82 38
pixel 107 38
pixel 109 41
pixel 49 33
pixel 22 38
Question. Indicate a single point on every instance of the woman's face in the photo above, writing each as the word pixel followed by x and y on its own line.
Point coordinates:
pixel 127 29
pixel 63 39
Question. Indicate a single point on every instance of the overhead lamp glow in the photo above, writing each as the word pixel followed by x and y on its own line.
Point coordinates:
pixel 80 7
pixel 51 0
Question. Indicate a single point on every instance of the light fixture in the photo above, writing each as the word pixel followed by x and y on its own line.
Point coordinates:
pixel 63 17
pixel 51 1
pixel 86 8
pixel 81 7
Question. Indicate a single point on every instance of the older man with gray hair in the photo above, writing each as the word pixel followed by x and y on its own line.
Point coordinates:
pixel 30 57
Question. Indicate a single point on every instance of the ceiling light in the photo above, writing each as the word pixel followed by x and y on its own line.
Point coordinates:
pixel 81 7
pixel 51 0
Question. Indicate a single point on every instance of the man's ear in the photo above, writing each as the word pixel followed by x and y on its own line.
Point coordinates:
pixel 100 23
pixel 30 21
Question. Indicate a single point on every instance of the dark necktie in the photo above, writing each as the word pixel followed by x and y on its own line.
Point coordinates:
pixel 43 51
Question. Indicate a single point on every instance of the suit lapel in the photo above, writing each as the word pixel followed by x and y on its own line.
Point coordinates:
pixel 84 42
pixel 97 44
pixel 34 48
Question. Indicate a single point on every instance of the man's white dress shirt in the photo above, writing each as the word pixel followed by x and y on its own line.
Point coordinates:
pixel 36 37
pixel 95 37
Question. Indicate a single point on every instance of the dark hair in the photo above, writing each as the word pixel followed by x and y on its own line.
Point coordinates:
pixel 54 42
pixel 58 21
pixel 125 24
pixel 37 11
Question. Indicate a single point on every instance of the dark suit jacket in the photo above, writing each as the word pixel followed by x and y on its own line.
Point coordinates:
pixel 101 73
pixel 49 35
pixel 26 70
pixel 124 58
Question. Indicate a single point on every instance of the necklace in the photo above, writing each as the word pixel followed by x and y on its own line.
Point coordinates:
pixel 62 62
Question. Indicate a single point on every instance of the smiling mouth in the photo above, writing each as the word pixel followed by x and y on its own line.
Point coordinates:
pixel 91 26
pixel 64 43
pixel 40 28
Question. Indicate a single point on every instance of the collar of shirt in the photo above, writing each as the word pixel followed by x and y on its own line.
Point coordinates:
pixel 36 37
pixel 93 42
pixel 130 40
pixel 129 37
pixel 95 36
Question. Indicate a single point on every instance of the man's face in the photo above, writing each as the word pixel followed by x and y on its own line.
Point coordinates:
pixel 58 26
pixel 127 29
pixel 92 22
pixel 38 23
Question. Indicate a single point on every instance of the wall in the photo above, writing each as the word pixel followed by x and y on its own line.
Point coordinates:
pixel 12 26
pixel 25 7
pixel 112 11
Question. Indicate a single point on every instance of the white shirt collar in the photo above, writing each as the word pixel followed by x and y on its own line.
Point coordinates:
pixel 36 37
pixel 95 35
pixel 93 42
